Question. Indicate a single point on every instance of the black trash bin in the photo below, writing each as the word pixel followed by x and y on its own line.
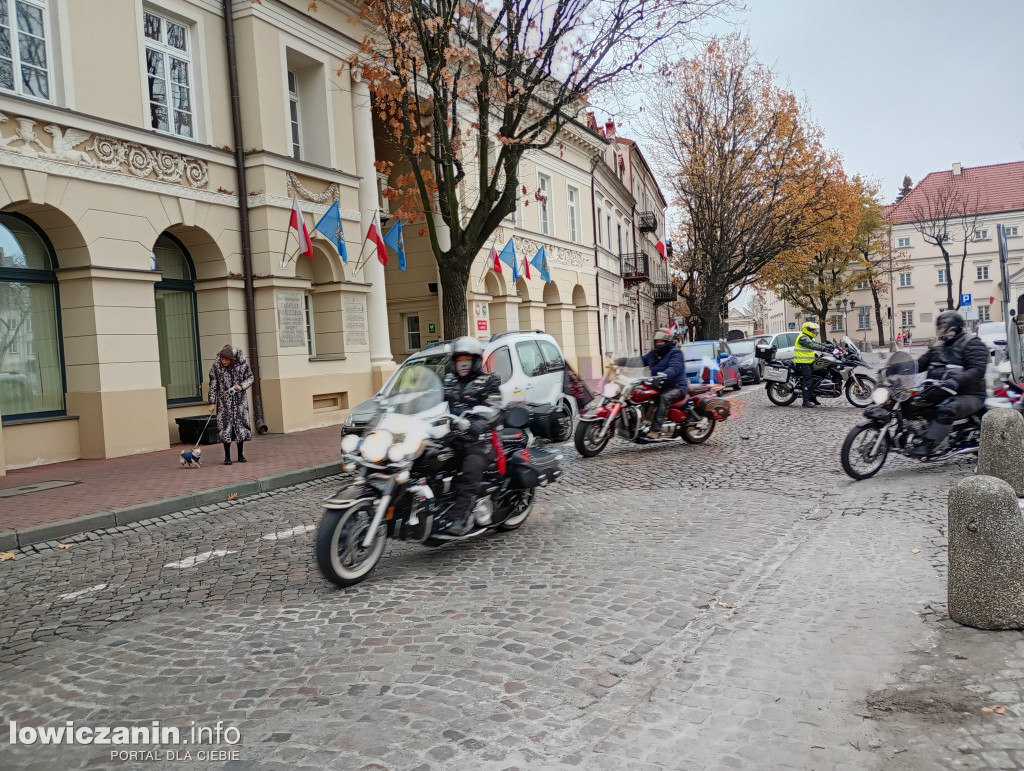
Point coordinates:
pixel 190 429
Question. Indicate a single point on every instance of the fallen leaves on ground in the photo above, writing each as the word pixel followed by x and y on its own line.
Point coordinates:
pixel 63 546
pixel 233 497
pixel 995 708
pixel 7 555
pixel 724 605
pixel 915 551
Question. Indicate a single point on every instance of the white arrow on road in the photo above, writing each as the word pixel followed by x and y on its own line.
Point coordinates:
pixel 80 592
pixel 198 559
pixel 289 533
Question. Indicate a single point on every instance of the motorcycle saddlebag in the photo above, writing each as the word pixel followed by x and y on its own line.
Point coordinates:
pixel 542 468
pixel 544 421
pixel 711 406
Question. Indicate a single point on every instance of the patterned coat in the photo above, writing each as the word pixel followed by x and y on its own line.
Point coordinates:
pixel 233 422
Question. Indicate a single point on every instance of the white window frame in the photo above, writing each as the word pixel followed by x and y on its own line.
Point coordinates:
pixel 1012 231
pixel 903 242
pixel 294 114
pixel 942 276
pixel 907 318
pixel 984 313
pixel 981 234
pixel 407 333
pixel 862 284
pixel 544 214
pixel 16 63
pixel 863 318
pixel 982 273
pixel 165 50
pixel 837 324
pixel 572 199
pixel 307 305
pixel 905 280
pixel 600 226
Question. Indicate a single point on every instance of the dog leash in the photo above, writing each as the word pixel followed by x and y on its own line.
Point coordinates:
pixel 203 432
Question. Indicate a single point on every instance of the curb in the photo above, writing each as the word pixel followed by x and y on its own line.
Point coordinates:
pixel 20 538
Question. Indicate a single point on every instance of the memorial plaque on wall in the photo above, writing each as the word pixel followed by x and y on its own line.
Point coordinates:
pixel 355 321
pixel 291 320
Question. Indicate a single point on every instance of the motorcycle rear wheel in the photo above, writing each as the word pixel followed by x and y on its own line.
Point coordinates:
pixel 587 440
pixel 859 389
pixel 858 444
pixel 339 551
pixel 522 503
pixel 777 394
pixel 698 433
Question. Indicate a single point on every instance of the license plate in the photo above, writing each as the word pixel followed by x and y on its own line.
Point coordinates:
pixel 775 375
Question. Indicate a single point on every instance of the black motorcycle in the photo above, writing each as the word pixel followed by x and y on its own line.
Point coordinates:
pixel 833 374
pixel 903 407
pixel 406 467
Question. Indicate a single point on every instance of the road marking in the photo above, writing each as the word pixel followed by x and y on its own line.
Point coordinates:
pixel 289 533
pixel 80 592
pixel 198 559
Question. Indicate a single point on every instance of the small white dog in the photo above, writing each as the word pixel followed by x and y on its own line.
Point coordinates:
pixel 192 458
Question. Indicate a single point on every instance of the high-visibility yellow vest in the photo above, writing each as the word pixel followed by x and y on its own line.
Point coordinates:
pixel 801 353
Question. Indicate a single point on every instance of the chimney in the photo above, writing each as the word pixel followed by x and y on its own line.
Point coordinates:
pixel 956 169
pixel 609 129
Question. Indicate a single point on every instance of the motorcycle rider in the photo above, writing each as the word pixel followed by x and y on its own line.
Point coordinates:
pixel 666 359
pixel 804 357
pixel 960 394
pixel 466 386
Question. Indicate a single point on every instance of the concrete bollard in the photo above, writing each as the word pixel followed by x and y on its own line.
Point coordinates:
pixel 986 554
pixel 1001 453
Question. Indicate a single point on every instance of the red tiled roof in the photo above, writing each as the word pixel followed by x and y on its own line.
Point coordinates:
pixel 995 188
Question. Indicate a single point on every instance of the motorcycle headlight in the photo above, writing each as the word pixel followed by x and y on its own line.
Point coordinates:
pixel 397 453
pixel 880 396
pixel 375 446
pixel 349 443
pixel 611 390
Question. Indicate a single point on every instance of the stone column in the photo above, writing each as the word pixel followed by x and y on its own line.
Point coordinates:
pixel 558 323
pixel 584 322
pixel 1002 447
pixel 381 363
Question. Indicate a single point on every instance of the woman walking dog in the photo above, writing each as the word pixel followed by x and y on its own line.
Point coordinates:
pixel 230 378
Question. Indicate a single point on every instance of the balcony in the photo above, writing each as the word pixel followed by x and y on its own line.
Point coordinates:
pixel 635 269
pixel 664 293
pixel 647 221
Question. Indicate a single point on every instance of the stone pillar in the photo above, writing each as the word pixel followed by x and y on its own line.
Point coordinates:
pixel 558 323
pixel 986 554
pixel 531 315
pixel 381 363
pixel 584 322
pixel 505 313
pixel 1001 453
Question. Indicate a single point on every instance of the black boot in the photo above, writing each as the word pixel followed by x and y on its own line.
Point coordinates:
pixel 241 458
pixel 227 453
pixel 807 403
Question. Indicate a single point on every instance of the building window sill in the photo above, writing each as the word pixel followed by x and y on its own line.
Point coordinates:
pixel 329 357
pixel 40 419
pixel 983 280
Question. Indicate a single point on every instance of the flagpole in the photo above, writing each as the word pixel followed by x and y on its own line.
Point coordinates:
pixel 284 262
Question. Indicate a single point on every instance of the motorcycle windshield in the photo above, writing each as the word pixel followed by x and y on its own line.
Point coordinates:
pixel 900 369
pixel 850 345
pixel 414 399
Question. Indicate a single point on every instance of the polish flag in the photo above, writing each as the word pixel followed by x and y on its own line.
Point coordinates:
pixel 373 235
pixel 495 262
pixel 298 222
pixel 660 246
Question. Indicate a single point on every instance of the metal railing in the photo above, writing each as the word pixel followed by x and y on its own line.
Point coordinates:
pixel 635 268
pixel 647 221
pixel 664 293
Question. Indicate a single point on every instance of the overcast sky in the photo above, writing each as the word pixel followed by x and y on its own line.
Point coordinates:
pixel 901 86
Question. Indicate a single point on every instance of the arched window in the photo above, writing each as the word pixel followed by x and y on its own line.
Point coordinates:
pixel 176 327
pixel 31 354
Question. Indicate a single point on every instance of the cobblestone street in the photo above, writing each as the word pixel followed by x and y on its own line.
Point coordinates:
pixel 740 604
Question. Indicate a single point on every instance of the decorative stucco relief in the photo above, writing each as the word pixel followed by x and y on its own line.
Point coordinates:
pixel 68 145
pixel 556 254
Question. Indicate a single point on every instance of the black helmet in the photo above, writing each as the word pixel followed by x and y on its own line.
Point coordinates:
pixel 468 346
pixel 949 326
pixel 663 339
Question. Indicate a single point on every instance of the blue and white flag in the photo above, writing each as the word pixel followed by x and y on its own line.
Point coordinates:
pixel 508 256
pixel 330 226
pixel 395 240
pixel 540 262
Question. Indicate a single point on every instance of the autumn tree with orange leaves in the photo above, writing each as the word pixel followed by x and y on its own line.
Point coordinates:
pixel 466 89
pixel 749 174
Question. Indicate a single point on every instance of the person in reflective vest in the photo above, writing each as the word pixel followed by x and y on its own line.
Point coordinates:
pixel 804 356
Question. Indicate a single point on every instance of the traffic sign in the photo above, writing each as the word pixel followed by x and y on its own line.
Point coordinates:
pixel 792 325
pixel 965 299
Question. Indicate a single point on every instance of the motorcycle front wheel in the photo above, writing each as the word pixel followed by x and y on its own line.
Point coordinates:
pixel 589 441
pixel 521 502
pixel 340 554
pixel 700 432
pixel 782 394
pixel 860 458
pixel 859 389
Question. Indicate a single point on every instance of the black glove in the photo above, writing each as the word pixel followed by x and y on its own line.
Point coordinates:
pixel 936 371
pixel 950 384
pixel 659 379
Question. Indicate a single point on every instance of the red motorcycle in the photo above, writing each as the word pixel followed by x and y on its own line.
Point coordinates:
pixel 626 407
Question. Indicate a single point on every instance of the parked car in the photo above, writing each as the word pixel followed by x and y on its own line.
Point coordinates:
pixel 529 363
pixel 993 334
pixel 751 368
pixel 705 354
pixel 784 342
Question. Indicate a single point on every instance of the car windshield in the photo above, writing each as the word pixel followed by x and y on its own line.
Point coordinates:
pixel 438 362
pixel 699 351
pixel 992 328
pixel 742 347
